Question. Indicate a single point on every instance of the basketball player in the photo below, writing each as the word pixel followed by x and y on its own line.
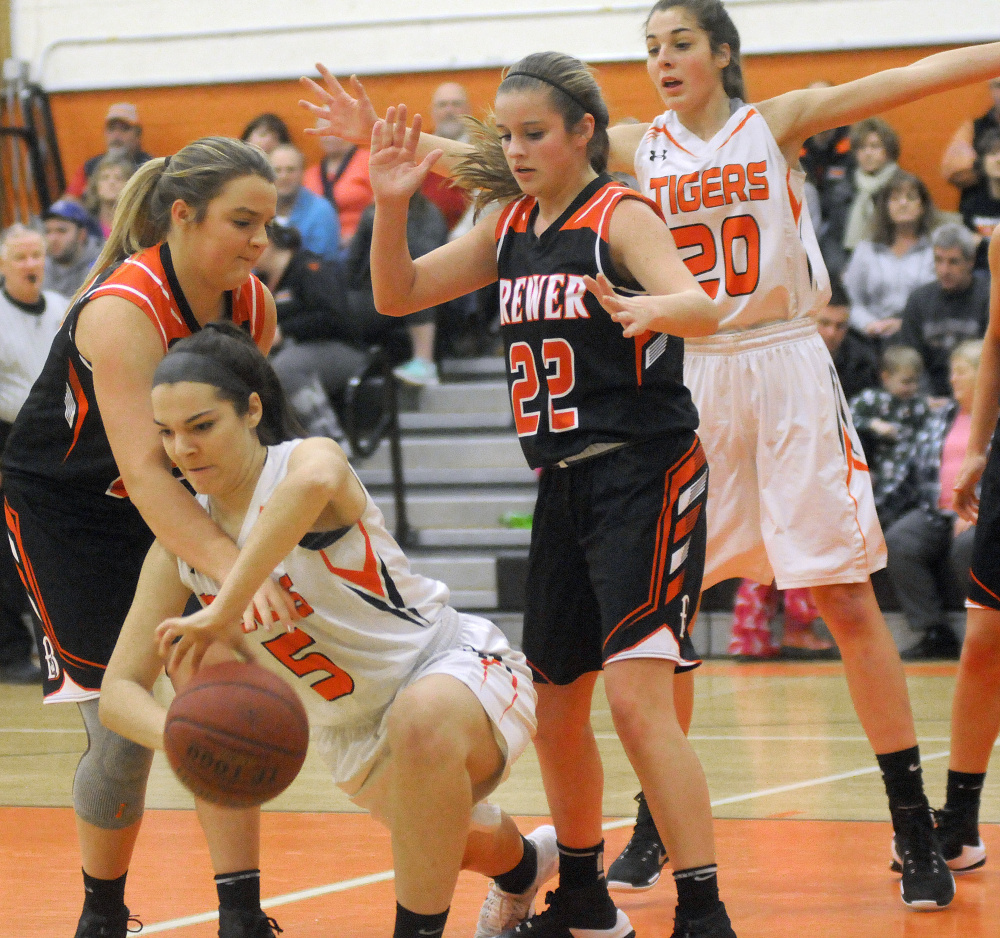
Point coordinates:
pixel 975 710
pixel 418 711
pixel 727 177
pixel 85 476
pixel 616 552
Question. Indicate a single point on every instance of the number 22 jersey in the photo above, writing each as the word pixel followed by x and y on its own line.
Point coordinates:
pixel 738 215
pixel 575 381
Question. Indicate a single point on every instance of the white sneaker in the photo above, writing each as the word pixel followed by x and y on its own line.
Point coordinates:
pixel 417 372
pixel 503 910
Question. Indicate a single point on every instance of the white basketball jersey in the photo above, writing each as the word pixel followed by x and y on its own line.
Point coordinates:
pixel 368 620
pixel 738 216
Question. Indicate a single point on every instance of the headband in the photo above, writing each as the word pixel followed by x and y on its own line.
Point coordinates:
pixel 583 107
pixel 176 367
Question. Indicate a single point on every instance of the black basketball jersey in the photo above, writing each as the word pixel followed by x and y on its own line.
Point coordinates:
pixel 58 444
pixel 574 380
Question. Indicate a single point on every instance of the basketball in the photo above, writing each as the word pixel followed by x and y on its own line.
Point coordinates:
pixel 236 735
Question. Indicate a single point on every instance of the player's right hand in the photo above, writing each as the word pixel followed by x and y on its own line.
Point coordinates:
pixel 393 169
pixel 965 499
pixel 339 114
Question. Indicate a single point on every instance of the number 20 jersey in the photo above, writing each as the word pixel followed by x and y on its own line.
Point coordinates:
pixel 574 379
pixel 738 215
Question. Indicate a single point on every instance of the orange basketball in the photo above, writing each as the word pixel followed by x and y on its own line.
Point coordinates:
pixel 236 735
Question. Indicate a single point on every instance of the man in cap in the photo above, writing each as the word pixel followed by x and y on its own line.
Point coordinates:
pixel 122 136
pixel 72 244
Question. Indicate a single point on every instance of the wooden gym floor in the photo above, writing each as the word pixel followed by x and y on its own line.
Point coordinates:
pixel 802 829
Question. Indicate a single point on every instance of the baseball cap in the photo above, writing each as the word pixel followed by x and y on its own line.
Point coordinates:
pixel 124 112
pixel 69 210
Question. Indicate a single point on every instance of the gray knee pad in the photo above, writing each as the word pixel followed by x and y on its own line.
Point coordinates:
pixel 109 789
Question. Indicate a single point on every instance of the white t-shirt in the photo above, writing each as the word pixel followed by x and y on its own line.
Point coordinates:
pixel 25 338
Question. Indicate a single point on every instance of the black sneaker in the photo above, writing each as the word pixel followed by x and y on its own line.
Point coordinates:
pixel 575 911
pixel 638 866
pixel 937 643
pixel 236 923
pixel 958 834
pixel 927 883
pixel 716 925
pixel 92 925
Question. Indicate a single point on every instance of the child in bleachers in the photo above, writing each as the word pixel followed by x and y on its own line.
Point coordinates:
pixel 888 420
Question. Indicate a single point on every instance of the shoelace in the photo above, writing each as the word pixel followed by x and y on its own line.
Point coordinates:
pixel 918 844
pixel 133 920
pixel 275 927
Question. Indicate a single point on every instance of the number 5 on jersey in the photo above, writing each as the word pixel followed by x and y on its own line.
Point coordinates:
pixel 558 366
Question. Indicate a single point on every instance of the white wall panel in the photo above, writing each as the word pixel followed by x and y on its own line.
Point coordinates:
pixel 81 44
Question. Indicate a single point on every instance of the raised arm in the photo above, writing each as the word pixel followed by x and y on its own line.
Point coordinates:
pixel 319 492
pixel 400 284
pixel 641 245
pixel 797 115
pixel 352 117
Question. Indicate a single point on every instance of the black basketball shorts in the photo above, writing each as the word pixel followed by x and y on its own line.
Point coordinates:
pixel 616 561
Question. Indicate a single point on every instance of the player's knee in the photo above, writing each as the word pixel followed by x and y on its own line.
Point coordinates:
pixel 109 789
pixel 849 609
pixel 422 731
pixel 981 649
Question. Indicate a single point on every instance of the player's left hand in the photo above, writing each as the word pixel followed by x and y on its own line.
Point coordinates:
pixel 182 641
pixel 631 313
pixel 338 113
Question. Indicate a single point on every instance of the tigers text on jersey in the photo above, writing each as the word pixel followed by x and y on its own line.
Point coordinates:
pixel 738 216
pixel 368 620
pixel 574 380
pixel 58 439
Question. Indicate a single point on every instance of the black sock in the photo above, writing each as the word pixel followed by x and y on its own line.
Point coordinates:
pixel 964 791
pixel 697 891
pixel 903 778
pixel 523 875
pixel 239 890
pixel 580 868
pixel 411 925
pixel 104 896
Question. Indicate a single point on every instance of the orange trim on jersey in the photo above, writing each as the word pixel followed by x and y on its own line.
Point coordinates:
pixel 367 577
pixel 81 406
pixel 985 589
pixel 666 133
pixel 596 212
pixel 795 203
pixel 515 217
pixel 751 113
pixel 26 572
pixel 682 472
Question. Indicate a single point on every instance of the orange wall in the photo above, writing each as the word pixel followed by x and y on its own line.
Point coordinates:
pixel 174 116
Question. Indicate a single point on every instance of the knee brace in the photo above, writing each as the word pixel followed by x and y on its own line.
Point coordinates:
pixel 109 788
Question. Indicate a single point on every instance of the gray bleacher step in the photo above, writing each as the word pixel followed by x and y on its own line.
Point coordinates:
pixel 463 397
pixel 465 369
pixel 481 601
pixel 473 537
pixel 419 422
pixel 501 451
pixel 480 475
pixel 462 572
pixel 461 508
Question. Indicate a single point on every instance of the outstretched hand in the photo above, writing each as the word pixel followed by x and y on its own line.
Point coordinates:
pixel 339 114
pixel 392 167
pixel 194 634
pixel 631 313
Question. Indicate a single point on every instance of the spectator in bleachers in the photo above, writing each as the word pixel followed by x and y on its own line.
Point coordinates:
pixel 426 229
pixel 847 206
pixel 266 131
pixel 950 309
pixel 930 547
pixel 313 216
pixel 29 320
pixel 883 271
pixel 449 104
pixel 754 612
pixel 72 243
pixel 319 345
pixel 888 420
pixel 122 136
pixel 855 355
pixel 958 165
pixel 104 188
pixel 342 178
pixel 981 201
